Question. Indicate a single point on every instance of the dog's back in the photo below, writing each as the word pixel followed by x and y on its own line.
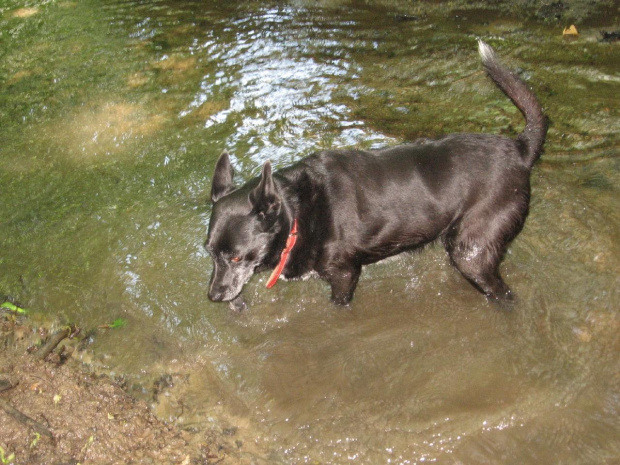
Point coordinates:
pixel 384 202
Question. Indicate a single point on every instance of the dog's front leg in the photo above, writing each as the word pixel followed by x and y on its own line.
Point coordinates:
pixel 343 280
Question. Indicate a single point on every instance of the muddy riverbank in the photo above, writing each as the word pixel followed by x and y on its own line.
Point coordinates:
pixel 58 410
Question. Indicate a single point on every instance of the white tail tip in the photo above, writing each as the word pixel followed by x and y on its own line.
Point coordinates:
pixel 485 51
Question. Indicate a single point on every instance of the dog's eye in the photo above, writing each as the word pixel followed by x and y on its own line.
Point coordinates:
pixel 235 259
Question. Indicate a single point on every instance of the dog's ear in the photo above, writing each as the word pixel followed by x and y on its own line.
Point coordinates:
pixel 222 177
pixel 264 198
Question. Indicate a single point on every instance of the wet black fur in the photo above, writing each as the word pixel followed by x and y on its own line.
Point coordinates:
pixel 357 207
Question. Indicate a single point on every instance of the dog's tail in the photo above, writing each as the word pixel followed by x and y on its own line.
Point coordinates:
pixel 533 136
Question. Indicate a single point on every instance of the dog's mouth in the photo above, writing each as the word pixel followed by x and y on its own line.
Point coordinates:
pixel 223 294
pixel 235 300
pixel 237 304
pixel 227 283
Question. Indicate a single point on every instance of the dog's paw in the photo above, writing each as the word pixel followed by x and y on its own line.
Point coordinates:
pixel 341 301
pixel 506 302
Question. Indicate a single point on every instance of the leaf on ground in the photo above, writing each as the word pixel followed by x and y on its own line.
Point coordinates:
pixel 13 308
pixel 570 31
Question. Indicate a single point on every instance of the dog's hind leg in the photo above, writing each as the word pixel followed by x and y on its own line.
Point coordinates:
pixel 480 266
pixel 478 261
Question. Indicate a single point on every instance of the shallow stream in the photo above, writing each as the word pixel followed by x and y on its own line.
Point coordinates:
pixel 112 114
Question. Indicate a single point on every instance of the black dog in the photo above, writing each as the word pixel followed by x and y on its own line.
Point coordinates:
pixel 335 211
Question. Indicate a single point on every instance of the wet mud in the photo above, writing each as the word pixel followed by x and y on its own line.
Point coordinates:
pixel 58 410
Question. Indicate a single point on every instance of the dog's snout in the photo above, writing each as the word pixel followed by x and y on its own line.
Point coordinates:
pixel 221 292
pixel 216 295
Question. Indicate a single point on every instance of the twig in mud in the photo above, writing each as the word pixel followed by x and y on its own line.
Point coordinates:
pixel 53 341
pixel 6 384
pixel 25 420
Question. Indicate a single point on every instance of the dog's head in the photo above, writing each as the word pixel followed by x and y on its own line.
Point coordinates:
pixel 245 223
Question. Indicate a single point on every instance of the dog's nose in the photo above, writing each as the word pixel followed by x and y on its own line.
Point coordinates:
pixel 217 293
pixel 216 296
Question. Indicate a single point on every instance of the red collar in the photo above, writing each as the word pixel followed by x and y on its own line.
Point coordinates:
pixel 290 243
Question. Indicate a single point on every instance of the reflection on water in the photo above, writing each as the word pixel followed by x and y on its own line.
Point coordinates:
pixel 112 116
pixel 271 87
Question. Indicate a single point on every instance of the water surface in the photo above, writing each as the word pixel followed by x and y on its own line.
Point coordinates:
pixel 112 115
